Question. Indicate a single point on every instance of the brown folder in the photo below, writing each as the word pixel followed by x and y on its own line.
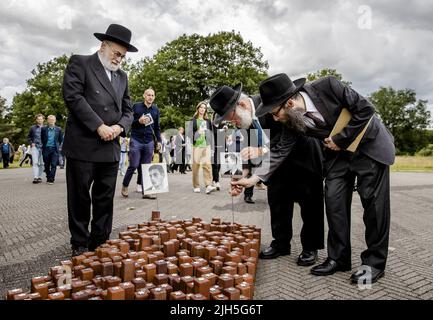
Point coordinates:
pixel 342 121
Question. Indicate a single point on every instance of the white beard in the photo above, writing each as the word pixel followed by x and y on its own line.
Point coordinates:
pixel 106 62
pixel 245 117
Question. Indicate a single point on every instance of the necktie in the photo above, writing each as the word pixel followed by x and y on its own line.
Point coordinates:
pixel 317 122
pixel 112 76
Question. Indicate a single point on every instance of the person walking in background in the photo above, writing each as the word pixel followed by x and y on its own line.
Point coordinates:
pixel 62 159
pixel 165 151
pixel 202 141
pixel 145 132
pixel 180 150
pixel 52 138
pixel 7 151
pixel 172 145
pixel 124 146
pixel 219 132
pixel 34 138
pixel 27 156
pixel 188 153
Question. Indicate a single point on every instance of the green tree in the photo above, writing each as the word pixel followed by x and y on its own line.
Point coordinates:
pixel 406 117
pixel 327 72
pixel 186 71
pixel 7 128
pixel 43 95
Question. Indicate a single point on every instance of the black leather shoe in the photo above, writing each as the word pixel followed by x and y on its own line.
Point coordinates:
pixel 77 251
pixel 248 199
pixel 273 253
pixel 307 258
pixel 327 268
pixel 361 276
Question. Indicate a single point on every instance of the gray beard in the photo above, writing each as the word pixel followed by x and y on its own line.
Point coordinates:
pixel 107 63
pixel 295 120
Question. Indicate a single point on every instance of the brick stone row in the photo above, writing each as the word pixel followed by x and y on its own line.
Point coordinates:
pixel 158 260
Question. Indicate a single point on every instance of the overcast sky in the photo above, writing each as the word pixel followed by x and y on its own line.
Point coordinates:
pixel 372 43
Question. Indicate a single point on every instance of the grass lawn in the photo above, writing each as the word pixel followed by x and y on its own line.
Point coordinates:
pixel 413 164
pixel 402 163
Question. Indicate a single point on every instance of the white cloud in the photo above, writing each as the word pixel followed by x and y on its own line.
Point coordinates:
pixel 296 37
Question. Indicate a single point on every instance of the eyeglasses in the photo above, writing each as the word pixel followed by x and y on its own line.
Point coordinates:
pixel 115 52
pixel 275 114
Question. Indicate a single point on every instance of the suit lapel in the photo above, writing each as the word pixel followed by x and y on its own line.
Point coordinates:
pixel 318 103
pixel 102 77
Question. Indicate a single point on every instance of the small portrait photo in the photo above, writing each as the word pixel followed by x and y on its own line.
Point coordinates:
pixel 155 178
pixel 148 119
pixel 231 164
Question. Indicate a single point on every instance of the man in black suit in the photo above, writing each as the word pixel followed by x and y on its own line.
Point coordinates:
pixel 52 138
pixel 96 93
pixel 313 109
pixel 299 180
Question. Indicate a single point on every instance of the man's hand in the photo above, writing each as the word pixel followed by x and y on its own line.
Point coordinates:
pixel 329 143
pixel 251 153
pixel 144 120
pixel 159 147
pixel 117 130
pixel 237 186
pixel 106 133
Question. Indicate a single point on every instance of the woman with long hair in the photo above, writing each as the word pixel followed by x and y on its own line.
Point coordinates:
pixel 201 150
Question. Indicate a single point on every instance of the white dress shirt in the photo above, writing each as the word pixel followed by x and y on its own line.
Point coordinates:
pixel 311 108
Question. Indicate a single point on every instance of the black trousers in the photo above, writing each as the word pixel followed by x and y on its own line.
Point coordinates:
pixel 6 158
pixel 90 184
pixel 216 172
pixel 306 189
pixel 51 159
pixel 373 189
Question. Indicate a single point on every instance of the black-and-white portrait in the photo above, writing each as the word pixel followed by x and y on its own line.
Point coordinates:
pixel 148 119
pixel 231 164
pixel 155 179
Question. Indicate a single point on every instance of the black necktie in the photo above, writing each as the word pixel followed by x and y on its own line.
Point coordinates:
pixel 317 122
pixel 112 76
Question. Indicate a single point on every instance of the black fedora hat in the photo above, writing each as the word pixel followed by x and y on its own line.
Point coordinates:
pixel 276 90
pixel 224 100
pixel 118 34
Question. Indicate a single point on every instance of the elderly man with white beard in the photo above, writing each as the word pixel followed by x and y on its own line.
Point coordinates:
pixel 299 180
pixel 96 94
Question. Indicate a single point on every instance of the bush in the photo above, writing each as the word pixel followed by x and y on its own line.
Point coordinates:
pixel 426 152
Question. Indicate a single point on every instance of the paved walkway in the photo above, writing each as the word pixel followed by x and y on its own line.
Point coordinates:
pixel 34 235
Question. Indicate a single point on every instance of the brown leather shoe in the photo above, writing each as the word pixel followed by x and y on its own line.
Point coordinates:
pixel 124 191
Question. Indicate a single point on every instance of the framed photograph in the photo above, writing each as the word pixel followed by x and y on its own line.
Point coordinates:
pixel 155 178
pixel 231 164
pixel 148 119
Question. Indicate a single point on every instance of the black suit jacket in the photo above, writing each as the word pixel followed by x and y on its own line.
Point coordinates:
pixel 330 96
pixel 58 139
pixel 92 100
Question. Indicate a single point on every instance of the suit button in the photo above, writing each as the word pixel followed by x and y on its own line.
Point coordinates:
pixel 97 91
pixel 105 109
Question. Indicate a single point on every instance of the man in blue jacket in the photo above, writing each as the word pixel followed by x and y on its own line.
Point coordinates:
pixel 52 138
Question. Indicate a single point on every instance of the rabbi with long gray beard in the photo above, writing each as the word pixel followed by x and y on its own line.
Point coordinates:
pixel 96 94
pixel 298 180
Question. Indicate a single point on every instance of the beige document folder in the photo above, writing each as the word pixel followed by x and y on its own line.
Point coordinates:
pixel 342 121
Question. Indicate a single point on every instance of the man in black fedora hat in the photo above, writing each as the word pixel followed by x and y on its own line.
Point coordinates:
pixel 299 180
pixel 96 94
pixel 313 109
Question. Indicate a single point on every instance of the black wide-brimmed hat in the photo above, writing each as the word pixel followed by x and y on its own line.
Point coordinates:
pixel 276 90
pixel 224 100
pixel 118 34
